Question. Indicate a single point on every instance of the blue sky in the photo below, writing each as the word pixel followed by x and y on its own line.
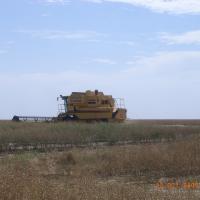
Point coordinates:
pixel 147 51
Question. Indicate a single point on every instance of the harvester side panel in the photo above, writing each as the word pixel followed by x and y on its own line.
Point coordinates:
pixel 93 115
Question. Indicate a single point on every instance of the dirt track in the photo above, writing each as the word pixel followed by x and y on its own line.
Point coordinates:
pixel 46 147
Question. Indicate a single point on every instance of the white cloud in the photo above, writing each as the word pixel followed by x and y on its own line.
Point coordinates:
pixel 190 37
pixel 55 2
pixel 170 6
pixel 94 1
pixel 11 42
pixel 86 35
pixel 102 61
pixel 112 42
pixel 45 15
pixel 120 42
pixel 6 46
pixel 60 34
pixel 129 43
pixel 165 63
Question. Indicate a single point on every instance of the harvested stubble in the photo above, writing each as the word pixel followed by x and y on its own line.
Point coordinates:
pixel 128 172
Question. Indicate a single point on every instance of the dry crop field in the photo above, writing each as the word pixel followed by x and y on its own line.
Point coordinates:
pixel 167 167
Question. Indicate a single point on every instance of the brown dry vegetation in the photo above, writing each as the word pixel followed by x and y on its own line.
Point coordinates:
pixel 83 133
pixel 179 122
pixel 128 172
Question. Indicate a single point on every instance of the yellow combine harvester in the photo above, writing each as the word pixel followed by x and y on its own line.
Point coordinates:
pixel 85 106
pixel 91 105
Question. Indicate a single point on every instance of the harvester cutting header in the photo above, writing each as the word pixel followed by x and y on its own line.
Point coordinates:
pixel 85 106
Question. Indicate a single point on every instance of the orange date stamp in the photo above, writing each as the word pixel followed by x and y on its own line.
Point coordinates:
pixel 178 184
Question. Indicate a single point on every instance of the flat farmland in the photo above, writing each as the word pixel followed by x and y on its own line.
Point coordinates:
pixel 83 133
pixel 159 159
